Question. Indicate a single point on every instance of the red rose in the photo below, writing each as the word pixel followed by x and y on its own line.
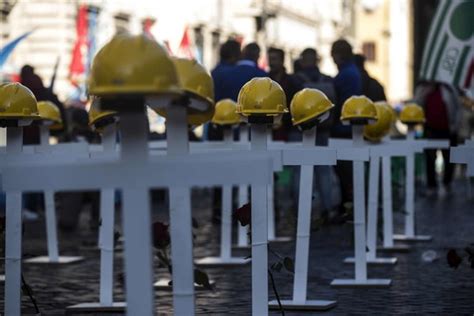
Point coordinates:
pixel 161 235
pixel 244 214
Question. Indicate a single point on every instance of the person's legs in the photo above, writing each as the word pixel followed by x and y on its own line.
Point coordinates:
pixel 322 177
pixel 215 133
pixel 448 166
pixel 323 184
pixel 216 204
pixel 430 155
pixel 344 173
pixel 430 168
pixel 68 207
pixel 294 135
pixel 93 198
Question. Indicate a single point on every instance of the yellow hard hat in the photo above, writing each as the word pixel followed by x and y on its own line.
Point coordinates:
pixel 198 87
pixel 374 132
pixel 261 97
pixel 358 109
pixel 412 113
pixel 309 104
pixel 195 80
pixel 393 113
pixel 225 113
pixel 50 113
pixel 17 102
pixel 132 65
pixel 198 118
pixel 99 118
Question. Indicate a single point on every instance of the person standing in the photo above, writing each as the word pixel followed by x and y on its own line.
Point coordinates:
pixel 310 76
pixel 371 88
pixel 347 83
pixel 32 81
pixel 441 103
pixel 289 84
pixel 31 134
pixel 228 80
pixel 247 68
pixel 229 54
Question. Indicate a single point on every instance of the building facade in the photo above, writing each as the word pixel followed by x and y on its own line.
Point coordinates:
pixel 383 33
pixel 381 29
pixel 289 25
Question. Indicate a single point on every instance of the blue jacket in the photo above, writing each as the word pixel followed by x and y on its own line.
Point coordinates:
pixel 219 75
pixel 348 82
pixel 229 79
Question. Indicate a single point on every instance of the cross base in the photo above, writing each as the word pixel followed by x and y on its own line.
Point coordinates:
pixel 280 239
pixel 377 283
pixel 308 305
pixel 219 261
pixel 374 260
pixel 164 285
pixel 412 238
pixel 96 308
pixel 394 248
pixel 61 260
pixel 242 247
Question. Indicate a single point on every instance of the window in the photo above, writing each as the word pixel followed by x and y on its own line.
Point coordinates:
pixel 368 49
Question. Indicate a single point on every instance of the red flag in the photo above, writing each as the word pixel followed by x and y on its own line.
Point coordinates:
pixel 147 25
pixel 79 53
pixel 184 48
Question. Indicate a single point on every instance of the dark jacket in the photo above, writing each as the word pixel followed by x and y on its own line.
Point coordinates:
pixel 371 88
pixel 313 78
pixel 290 84
pixel 33 82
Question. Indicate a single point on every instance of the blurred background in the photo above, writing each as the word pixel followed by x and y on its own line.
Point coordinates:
pixel 342 47
pixel 60 37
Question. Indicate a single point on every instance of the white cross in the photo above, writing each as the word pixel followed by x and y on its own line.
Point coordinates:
pixel 135 172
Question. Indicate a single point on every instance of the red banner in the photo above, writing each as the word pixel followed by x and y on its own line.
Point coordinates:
pixel 79 53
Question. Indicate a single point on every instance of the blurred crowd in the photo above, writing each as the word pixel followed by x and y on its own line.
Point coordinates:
pixel 440 101
pixel 238 65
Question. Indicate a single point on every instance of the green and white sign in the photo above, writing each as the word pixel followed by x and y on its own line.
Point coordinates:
pixel 449 50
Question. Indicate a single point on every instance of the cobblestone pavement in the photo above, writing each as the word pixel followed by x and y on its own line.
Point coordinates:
pixel 418 287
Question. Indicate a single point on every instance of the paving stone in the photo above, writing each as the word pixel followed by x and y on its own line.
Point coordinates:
pixel 418 287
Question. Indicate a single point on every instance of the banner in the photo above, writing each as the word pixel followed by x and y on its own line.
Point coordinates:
pixel 184 49
pixel 448 55
pixel 6 51
pixel 147 24
pixel 77 66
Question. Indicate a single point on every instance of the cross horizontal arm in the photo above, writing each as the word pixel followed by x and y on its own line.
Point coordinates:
pixel 194 170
